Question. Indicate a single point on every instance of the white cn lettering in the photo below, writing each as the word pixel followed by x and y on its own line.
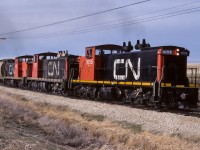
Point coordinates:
pixel 118 77
pixel 53 68
pixel 89 61
pixel 128 64
pixel 10 70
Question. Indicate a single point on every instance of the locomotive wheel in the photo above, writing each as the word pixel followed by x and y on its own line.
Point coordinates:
pixel 124 100
pixel 98 95
pixel 133 101
pixel 93 94
pixel 49 88
pixel 77 91
pixel 172 102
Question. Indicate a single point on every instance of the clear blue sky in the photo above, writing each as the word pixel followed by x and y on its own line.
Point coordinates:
pixel 182 30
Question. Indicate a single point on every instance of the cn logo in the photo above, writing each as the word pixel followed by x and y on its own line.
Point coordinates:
pixel 127 65
pixel 53 68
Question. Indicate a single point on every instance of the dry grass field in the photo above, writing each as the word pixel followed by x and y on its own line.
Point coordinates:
pixel 28 125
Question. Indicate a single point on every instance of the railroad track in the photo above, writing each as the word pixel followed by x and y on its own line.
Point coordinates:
pixel 194 112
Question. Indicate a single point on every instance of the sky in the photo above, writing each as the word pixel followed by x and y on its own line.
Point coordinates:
pixel 160 22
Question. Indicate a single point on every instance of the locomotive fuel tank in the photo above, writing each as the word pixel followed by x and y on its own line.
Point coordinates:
pixel 110 93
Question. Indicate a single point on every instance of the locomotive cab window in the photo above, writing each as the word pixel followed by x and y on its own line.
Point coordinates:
pixel 35 58
pixel 89 53
pixel 30 60
pixel 175 70
pixel 42 57
pixel 108 52
pixel 20 60
pixel 99 52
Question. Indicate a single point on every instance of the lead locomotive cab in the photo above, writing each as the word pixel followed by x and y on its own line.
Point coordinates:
pixel 93 64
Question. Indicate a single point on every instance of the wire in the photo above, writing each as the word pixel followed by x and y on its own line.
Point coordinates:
pixel 104 28
pixel 96 25
pixel 76 18
pixel 153 18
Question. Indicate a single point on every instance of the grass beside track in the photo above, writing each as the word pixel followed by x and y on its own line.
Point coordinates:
pixel 63 128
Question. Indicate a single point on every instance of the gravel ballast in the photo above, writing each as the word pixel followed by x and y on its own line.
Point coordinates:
pixel 153 121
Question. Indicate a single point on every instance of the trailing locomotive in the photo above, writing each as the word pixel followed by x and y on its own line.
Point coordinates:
pixel 44 71
pixel 7 68
pixel 151 76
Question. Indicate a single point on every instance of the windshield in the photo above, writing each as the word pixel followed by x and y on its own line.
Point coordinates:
pixel 175 70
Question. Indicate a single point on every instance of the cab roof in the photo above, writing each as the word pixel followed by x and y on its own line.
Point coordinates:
pixel 107 47
pixel 48 54
pixel 25 56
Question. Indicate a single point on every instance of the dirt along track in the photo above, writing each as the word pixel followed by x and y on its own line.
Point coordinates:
pixel 157 122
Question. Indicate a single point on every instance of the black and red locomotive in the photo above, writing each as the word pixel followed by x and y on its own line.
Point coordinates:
pixel 152 76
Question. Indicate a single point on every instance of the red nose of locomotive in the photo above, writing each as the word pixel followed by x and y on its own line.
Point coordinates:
pixel 172 65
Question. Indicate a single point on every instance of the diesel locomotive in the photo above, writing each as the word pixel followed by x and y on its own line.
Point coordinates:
pixel 150 76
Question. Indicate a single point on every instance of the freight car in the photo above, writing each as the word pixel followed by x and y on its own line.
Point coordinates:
pixel 193 73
